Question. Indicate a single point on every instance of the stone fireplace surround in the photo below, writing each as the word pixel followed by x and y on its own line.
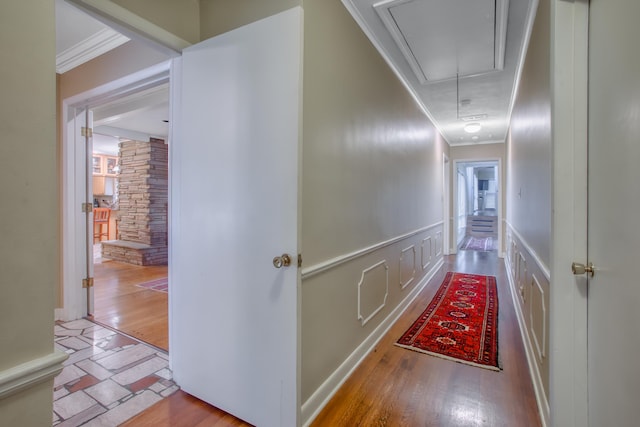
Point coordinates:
pixel 143 204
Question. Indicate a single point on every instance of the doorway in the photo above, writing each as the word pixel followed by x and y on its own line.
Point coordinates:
pixel 130 274
pixel 477 206
pixel 130 186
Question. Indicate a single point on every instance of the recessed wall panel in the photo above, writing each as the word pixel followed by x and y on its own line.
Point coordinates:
pixel 373 289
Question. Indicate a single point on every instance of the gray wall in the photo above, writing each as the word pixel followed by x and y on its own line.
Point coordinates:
pixel 220 16
pixel 529 145
pixel 371 172
pixel 529 196
pixel 29 256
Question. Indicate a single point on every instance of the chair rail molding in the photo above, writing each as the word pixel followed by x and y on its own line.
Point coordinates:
pixel 334 262
pixel 31 373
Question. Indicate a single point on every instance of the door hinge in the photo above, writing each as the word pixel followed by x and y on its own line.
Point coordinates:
pixel 87 132
pixel 87 207
pixel 87 283
pixel 299 260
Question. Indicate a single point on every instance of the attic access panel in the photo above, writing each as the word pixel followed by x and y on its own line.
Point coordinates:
pixel 443 39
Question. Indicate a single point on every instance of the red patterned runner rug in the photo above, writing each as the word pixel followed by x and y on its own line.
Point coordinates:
pixel 460 323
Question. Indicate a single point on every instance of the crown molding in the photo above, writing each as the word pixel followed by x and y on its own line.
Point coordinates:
pixel 93 46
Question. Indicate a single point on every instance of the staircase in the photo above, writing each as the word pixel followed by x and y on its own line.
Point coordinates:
pixel 482 226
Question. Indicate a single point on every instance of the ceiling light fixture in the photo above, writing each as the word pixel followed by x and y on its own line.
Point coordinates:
pixel 473 128
pixel 473 118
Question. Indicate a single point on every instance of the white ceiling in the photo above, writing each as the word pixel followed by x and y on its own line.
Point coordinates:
pixel 461 59
pixel 449 54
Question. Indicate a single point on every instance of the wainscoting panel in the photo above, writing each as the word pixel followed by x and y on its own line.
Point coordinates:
pixel 407 266
pixel 529 281
pixel 427 251
pixel 348 305
pixel 438 243
pixel 538 318
pixel 521 275
pixel 373 290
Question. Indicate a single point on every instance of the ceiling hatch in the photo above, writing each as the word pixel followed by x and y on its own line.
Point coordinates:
pixel 446 39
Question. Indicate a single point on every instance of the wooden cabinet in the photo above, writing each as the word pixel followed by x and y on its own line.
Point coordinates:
pixel 97 165
pixel 104 165
pixel 104 185
pixel 104 174
pixel 109 165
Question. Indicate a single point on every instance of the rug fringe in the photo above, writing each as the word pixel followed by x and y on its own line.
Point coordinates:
pixel 453 359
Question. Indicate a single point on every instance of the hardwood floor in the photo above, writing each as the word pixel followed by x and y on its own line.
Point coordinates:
pixel 183 410
pixel 398 387
pixel 135 311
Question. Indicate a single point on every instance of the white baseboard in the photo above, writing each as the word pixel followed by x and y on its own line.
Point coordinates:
pixel 312 407
pixel 31 373
pixel 541 398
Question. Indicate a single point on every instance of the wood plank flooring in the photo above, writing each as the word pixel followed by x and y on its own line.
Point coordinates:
pixel 135 311
pixel 183 410
pixel 398 387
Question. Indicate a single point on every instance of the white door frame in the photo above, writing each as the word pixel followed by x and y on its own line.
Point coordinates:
pixel 456 163
pixel 446 203
pixel 568 294
pixel 74 183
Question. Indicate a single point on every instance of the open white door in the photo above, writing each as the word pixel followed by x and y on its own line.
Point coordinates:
pixel 614 203
pixel 86 138
pixel 76 222
pixel 233 319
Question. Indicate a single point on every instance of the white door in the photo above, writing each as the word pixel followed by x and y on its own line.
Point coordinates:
pixel 614 206
pixel 77 223
pixel 233 319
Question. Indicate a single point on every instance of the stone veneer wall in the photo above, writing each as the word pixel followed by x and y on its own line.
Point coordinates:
pixel 143 202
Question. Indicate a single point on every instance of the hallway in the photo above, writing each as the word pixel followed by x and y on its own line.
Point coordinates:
pixel 397 387
pixel 394 386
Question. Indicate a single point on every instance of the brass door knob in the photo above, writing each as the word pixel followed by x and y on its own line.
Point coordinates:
pixel 578 268
pixel 282 261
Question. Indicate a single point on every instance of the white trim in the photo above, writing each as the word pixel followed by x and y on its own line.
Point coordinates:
pixel 541 265
pixel 492 141
pixel 173 214
pixel 541 344
pixel 541 398
pixel 528 30
pixel 31 373
pixel 127 85
pixel 364 320
pixel 123 133
pixel 500 39
pixel 413 272
pixel 426 264
pixel 95 45
pixel 132 25
pixel 446 203
pixel 334 262
pixel 501 192
pixel 314 404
